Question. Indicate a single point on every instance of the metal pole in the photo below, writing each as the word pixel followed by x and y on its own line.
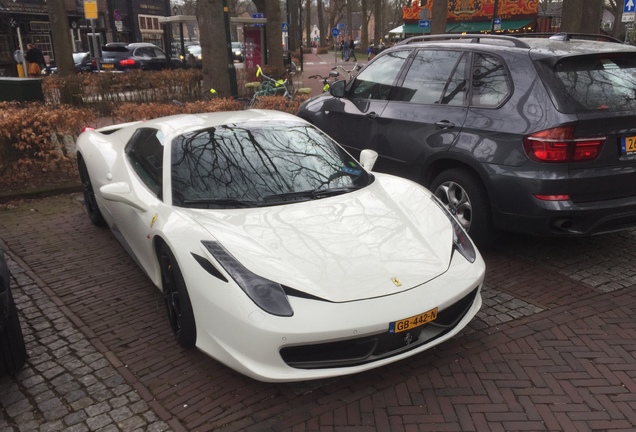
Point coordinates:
pixel 494 15
pixel 95 48
pixel 25 71
pixel 300 27
pixel 230 58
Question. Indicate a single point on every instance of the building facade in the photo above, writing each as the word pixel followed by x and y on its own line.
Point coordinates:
pixel 27 21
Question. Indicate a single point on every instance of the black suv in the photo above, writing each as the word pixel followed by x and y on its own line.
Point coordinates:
pixel 121 57
pixel 527 134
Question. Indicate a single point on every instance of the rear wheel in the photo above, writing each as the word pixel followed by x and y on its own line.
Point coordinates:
pixel 177 300
pixel 465 197
pixel 94 214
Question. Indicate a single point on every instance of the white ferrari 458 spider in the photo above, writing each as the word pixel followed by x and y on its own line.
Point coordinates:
pixel 279 254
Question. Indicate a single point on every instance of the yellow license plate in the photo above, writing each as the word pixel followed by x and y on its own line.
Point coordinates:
pixel 628 145
pixel 412 322
pixel 108 66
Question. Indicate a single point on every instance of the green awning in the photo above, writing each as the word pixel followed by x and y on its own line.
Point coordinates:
pixel 461 27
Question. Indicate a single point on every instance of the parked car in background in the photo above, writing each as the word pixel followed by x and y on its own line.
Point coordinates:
pixel 532 135
pixel 12 348
pixel 121 57
pixel 82 60
pixel 278 253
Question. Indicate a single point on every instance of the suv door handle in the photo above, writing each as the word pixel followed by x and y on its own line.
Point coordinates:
pixel 445 124
pixel 372 115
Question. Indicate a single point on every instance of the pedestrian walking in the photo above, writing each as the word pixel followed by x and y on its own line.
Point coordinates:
pixel 35 60
pixel 342 49
pixel 352 50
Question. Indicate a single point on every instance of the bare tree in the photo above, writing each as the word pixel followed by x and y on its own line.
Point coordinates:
pixel 214 49
pixel 615 7
pixel 581 16
pixel 307 18
pixel 364 15
pixel 272 11
pixel 320 9
pixel 63 54
pixel 439 14
pixel 377 17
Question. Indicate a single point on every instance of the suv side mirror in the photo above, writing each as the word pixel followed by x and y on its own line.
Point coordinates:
pixel 337 89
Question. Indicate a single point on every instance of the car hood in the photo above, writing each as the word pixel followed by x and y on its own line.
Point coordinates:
pixel 383 239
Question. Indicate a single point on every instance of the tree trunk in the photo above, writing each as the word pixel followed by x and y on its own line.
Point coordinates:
pixel 571 15
pixel 324 32
pixel 214 50
pixel 377 20
pixel 364 33
pixel 274 34
pixel 439 15
pixel 62 43
pixel 307 18
pixel 591 17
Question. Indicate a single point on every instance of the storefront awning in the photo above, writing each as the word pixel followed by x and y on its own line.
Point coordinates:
pixel 462 27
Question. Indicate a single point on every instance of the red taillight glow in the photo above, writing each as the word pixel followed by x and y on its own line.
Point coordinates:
pixel 559 145
pixel 86 128
pixel 127 62
pixel 552 197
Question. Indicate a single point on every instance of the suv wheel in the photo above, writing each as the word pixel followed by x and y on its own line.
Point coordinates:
pixel 465 197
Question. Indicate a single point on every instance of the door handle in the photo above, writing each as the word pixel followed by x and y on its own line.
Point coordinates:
pixel 372 115
pixel 445 124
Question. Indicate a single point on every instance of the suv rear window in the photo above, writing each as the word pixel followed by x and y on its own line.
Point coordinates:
pixel 592 83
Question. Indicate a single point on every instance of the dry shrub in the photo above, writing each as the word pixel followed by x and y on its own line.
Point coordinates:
pixel 37 141
pixel 132 112
pixel 281 103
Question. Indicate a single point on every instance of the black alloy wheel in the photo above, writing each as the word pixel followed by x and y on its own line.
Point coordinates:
pixel 94 214
pixel 177 300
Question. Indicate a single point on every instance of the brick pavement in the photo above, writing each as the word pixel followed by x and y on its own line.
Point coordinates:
pixel 552 349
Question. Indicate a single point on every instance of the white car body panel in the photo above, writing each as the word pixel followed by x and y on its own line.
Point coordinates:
pixel 346 250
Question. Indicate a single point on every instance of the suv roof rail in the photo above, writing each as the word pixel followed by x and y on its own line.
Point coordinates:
pixel 474 38
pixel 564 36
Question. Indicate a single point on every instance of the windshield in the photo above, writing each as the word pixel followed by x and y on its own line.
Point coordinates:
pixel 259 164
pixel 604 82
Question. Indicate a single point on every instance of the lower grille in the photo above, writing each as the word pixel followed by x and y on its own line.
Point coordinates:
pixel 353 352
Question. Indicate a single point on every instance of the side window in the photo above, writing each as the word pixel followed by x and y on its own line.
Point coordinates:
pixel 144 52
pixel 145 153
pixel 491 85
pixel 435 77
pixel 159 54
pixel 377 81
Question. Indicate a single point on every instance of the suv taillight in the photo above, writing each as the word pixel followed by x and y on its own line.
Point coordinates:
pixel 127 62
pixel 559 145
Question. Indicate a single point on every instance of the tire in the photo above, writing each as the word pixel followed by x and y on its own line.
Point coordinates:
pixel 12 348
pixel 90 203
pixel 177 300
pixel 465 197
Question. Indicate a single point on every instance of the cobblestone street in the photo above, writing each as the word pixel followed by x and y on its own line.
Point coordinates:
pixel 552 348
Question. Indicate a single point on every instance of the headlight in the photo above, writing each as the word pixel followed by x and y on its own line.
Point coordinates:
pixel 267 295
pixel 461 241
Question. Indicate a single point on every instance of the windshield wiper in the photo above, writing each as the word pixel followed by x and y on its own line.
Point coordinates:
pixel 206 203
pixel 309 194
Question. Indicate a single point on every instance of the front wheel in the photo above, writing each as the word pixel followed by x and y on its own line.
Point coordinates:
pixel 94 214
pixel 177 300
pixel 465 197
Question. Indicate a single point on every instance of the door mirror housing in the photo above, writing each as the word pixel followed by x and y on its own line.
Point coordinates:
pixel 368 158
pixel 337 89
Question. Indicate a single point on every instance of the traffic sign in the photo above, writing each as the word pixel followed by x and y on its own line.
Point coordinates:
pixel 90 9
pixel 629 6
pixel 497 24
pixel 424 23
pixel 335 32
pixel 258 15
pixel 341 25
pixel 285 27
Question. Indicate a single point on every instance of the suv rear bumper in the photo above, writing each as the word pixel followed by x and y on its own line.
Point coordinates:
pixel 568 218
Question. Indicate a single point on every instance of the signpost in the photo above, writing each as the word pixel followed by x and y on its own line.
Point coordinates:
pixel 628 11
pixel 497 24
pixel 90 13
pixel 334 33
pixel 425 24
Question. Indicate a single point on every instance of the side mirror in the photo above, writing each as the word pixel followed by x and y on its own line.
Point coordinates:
pixel 368 158
pixel 120 192
pixel 337 89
